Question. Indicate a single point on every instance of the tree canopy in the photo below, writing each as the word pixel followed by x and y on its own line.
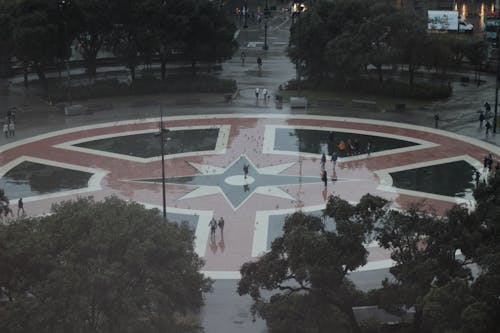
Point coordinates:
pixel 306 270
pixel 109 266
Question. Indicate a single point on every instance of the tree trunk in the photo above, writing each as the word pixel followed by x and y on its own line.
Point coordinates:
pixel 91 66
pixel 380 73
pixel 411 70
pixel 25 74
pixel 163 61
pixel 132 71
pixel 193 67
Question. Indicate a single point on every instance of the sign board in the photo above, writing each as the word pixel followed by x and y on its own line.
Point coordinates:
pixel 442 20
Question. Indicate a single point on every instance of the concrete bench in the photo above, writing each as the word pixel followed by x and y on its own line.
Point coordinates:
pixel 74 110
pixel 364 104
pixel 298 102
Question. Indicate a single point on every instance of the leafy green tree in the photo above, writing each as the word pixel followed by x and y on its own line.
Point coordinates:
pixel 477 54
pixel 169 26
pixel 35 35
pixel 109 266
pixel 4 203
pixel 324 38
pixel 438 53
pixel 94 26
pixel 130 38
pixel 443 305
pixel 209 36
pixel 306 270
pixel 6 37
pixel 410 40
pixel 423 247
pixel 377 33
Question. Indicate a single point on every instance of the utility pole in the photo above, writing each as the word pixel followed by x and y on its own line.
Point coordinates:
pixel 497 7
pixel 266 17
pixel 163 131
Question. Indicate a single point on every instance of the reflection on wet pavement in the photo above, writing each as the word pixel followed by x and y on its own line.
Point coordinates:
pixel 317 141
pixel 450 179
pixel 147 145
pixel 29 179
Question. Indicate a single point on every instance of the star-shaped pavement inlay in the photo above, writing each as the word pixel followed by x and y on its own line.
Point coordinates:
pixel 234 186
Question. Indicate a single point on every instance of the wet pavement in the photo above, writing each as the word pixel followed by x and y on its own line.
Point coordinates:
pixel 225 310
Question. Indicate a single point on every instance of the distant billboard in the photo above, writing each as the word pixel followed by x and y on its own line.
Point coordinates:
pixel 442 20
pixel 446 20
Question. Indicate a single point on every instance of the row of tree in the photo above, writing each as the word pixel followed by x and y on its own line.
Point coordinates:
pixel 447 268
pixel 41 32
pixel 110 266
pixel 340 39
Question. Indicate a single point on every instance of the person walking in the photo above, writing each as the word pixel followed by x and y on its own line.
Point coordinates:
pixel 334 159
pixel 12 129
pixel 213 226
pixel 264 92
pixel 20 206
pixel 323 161
pixel 257 92
pixel 243 56
pixel 245 170
pixel 259 63
pixel 481 119
pixel 6 129
pixel 488 127
pixel 324 177
pixel 487 107
pixel 477 177
pixel 221 225
pixel 436 120
pixel 368 148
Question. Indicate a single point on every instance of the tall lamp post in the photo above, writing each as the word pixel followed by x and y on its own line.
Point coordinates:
pixel 266 16
pixel 265 47
pixel 496 87
pixel 162 133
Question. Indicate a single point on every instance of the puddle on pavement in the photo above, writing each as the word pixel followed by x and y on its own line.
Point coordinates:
pixel 29 179
pixel 147 145
pixel 454 179
pixel 317 142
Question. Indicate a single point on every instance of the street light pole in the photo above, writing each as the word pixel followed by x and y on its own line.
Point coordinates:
pixel 266 16
pixel 496 90
pixel 265 47
pixel 161 134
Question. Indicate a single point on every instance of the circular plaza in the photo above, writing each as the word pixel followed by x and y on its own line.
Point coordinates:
pixel 204 161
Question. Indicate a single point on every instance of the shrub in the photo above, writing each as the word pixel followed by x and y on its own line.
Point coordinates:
pixel 179 83
pixel 389 87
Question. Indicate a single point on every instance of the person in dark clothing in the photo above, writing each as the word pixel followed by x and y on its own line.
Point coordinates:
pixel 20 206
pixel 324 177
pixel 481 120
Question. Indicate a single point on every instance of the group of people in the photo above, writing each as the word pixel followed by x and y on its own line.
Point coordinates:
pixel 9 126
pixel 353 147
pixel 484 117
pixel 265 93
pixel 4 205
pixel 213 224
pixel 243 57
pixel 323 173
pixel 487 169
